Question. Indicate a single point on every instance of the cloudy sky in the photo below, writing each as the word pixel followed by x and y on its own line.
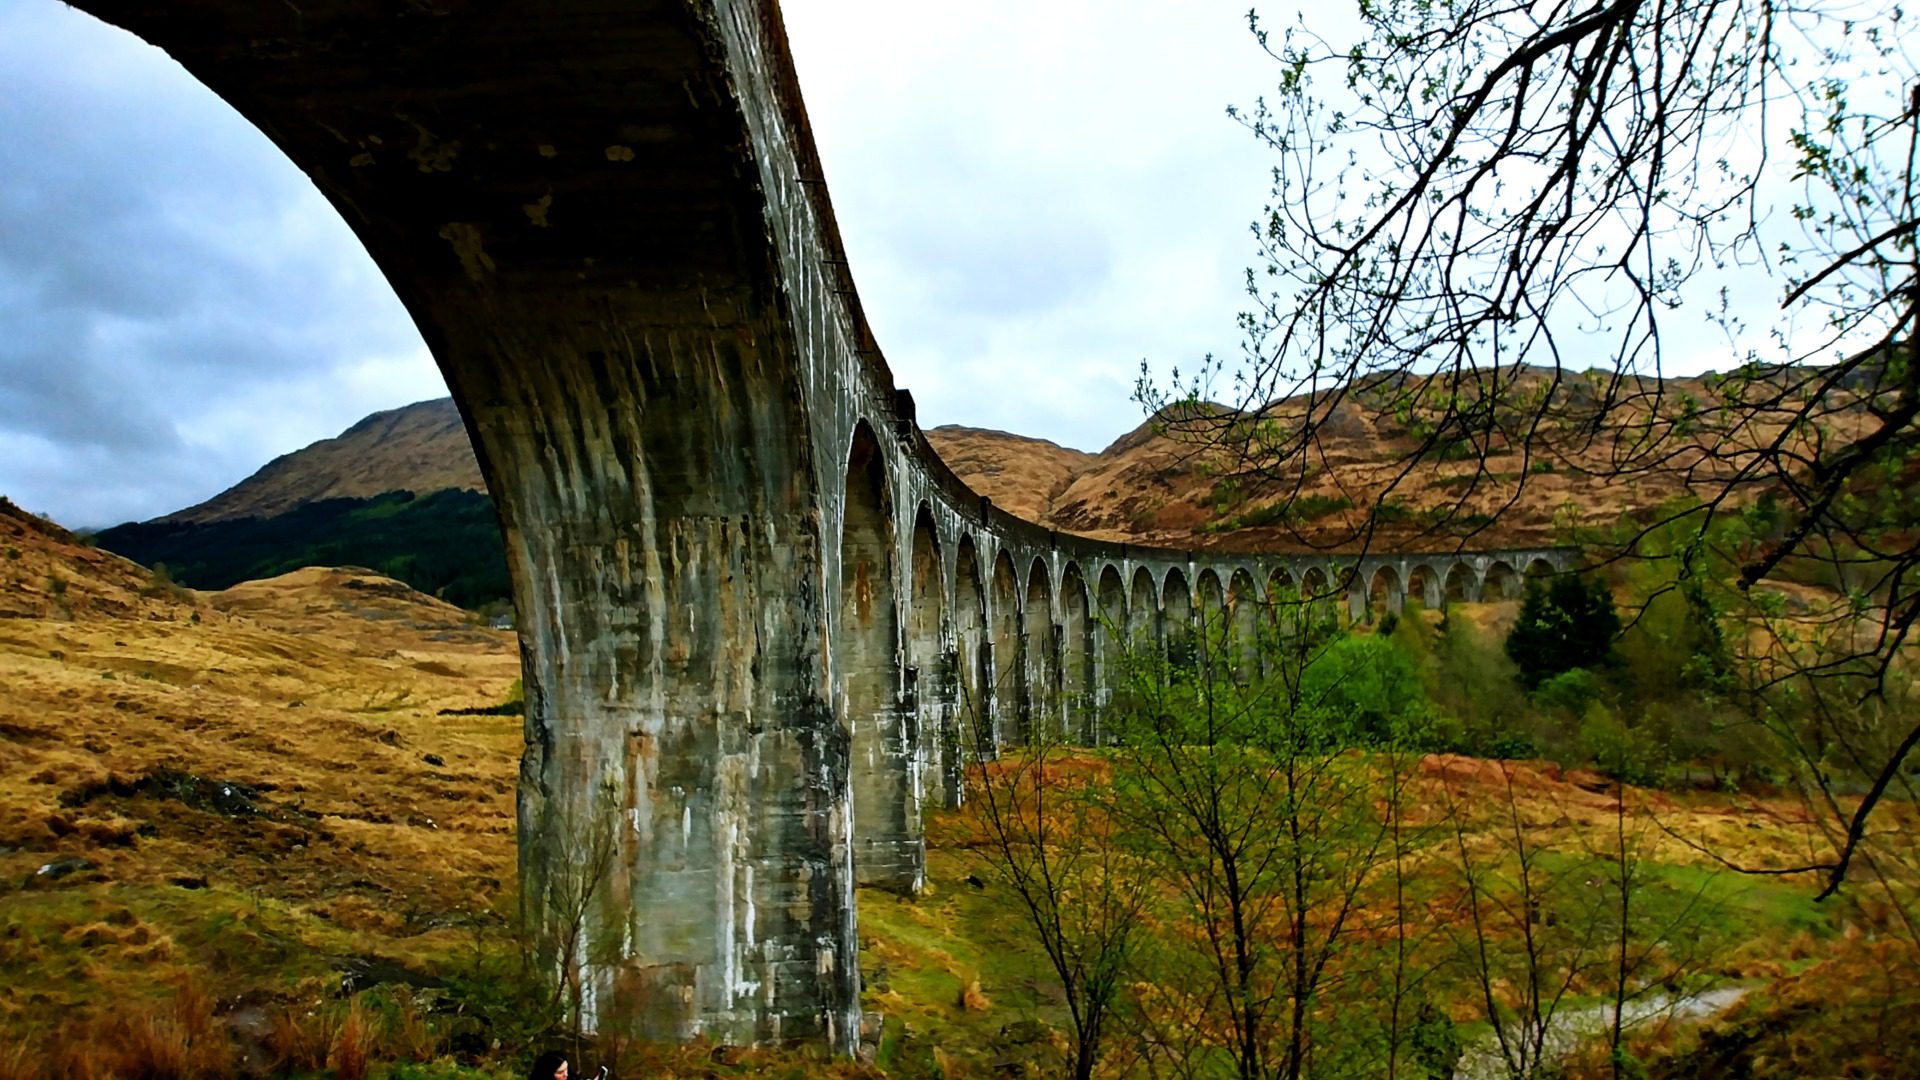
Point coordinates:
pixel 1034 198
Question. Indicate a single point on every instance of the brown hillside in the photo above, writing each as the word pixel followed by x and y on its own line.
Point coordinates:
pixel 1021 475
pixel 1157 484
pixel 1166 483
pixel 235 785
pixel 419 448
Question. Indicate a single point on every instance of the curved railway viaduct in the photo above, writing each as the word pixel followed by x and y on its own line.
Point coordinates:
pixel 750 595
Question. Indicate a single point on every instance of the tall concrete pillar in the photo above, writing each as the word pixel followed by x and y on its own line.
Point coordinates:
pixel 952 731
pixel 1109 639
pixel 565 197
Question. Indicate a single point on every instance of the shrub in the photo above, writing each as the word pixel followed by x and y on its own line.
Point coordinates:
pixel 1569 623
pixel 1369 692
pixel 1571 691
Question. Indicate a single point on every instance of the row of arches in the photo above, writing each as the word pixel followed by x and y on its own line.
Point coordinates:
pixel 980 648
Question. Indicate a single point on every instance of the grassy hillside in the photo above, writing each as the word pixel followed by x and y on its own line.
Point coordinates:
pixel 245 830
pixel 446 543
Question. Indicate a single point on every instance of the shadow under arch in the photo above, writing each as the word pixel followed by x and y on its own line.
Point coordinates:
pixel 1076 654
pixel 866 657
pixel 1500 582
pixel 928 690
pixel 1007 697
pixel 1383 594
pixel 1424 588
pixel 1143 612
pixel 1176 617
pixel 1462 586
pixel 975 660
pixel 1041 646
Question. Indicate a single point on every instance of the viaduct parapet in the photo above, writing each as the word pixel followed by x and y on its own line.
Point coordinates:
pixel 750 596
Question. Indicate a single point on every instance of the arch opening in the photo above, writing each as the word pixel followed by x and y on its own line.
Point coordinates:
pixel 1500 582
pixel 1007 698
pixel 975 659
pixel 1423 587
pixel 1176 617
pixel 1076 655
pixel 1143 613
pixel 1243 624
pixel 1384 594
pixel 1319 597
pixel 1210 603
pixel 866 659
pixel 929 679
pixel 1462 586
pixel 1041 646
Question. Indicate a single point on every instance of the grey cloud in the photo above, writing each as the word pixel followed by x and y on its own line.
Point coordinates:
pixel 1033 200
pixel 159 259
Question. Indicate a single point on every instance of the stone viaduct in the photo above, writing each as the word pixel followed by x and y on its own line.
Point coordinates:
pixel 750 596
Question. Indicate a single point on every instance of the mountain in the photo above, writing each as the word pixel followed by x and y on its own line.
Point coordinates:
pixel 419 448
pixel 400 491
pixel 445 542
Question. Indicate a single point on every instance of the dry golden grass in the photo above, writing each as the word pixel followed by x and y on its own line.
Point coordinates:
pixel 234 785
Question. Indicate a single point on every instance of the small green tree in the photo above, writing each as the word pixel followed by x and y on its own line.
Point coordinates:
pixel 1565 624
pixel 1231 784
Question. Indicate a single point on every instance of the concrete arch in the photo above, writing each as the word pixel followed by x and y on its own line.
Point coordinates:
pixel 1283 597
pixel 971 636
pixel 1423 586
pixel 1499 582
pixel 886 812
pixel 1109 639
pixel 1009 694
pixel 1209 601
pixel 1176 616
pixel 1462 585
pixel 1042 650
pixel 1539 567
pixel 1143 612
pixel 1112 601
pixel 1243 620
pixel 928 690
pixel 1384 593
pixel 1320 596
pixel 1076 653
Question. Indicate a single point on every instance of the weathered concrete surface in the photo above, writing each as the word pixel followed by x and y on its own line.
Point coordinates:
pixel 755 607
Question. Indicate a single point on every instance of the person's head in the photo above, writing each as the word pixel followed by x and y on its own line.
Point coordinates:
pixel 551 1065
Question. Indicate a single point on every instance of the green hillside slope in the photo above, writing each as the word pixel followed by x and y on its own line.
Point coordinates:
pixel 446 543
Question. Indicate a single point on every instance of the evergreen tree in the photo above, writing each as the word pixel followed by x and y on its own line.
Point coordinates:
pixel 1565 624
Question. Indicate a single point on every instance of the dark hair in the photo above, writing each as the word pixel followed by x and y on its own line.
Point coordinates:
pixel 546 1065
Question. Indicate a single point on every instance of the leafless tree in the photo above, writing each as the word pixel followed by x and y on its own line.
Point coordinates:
pixel 1046 820
pixel 1488 222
